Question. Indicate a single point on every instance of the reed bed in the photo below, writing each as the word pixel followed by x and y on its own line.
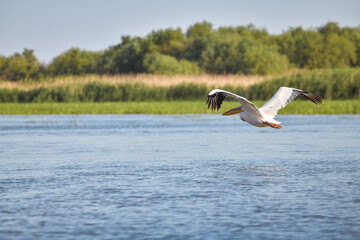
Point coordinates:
pixel 151 80
pixel 330 84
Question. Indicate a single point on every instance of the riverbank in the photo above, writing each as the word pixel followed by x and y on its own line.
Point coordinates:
pixel 171 107
pixel 334 84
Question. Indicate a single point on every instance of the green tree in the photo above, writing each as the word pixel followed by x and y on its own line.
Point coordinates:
pixel 262 59
pixel 129 58
pixel 105 62
pixel 188 67
pixel 244 55
pixel 164 38
pixel 286 44
pixel 89 61
pixel 196 46
pixel 20 66
pixel 74 61
pixel 338 51
pixel 222 56
pixel 68 62
pixel 259 34
pixel 199 30
pixel 330 28
pixel 2 64
pixel 353 35
pixel 163 64
pixel 308 49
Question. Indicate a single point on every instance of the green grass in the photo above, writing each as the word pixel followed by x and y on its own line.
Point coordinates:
pixel 172 107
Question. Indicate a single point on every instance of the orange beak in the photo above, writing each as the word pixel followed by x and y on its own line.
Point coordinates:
pixel 233 111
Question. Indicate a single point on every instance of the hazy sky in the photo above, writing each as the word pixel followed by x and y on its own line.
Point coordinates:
pixel 52 26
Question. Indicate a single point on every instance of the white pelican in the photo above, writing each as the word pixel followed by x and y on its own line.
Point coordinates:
pixel 263 116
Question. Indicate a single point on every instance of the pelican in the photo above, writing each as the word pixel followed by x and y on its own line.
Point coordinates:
pixel 263 116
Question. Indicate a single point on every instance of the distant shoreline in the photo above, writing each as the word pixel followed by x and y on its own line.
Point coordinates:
pixel 334 84
pixel 169 107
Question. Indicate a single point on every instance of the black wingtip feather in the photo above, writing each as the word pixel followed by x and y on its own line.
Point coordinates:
pixel 214 101
pixel 313 97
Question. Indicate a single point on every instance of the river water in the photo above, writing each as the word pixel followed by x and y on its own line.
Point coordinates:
pixel 179 177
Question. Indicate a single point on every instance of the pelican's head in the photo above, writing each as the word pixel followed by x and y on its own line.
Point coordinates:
pixel 234 111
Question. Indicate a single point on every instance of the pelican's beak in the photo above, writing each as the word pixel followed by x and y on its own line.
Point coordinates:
pixel 233 111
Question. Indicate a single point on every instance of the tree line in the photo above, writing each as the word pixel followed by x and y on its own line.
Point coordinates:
pixel 201 49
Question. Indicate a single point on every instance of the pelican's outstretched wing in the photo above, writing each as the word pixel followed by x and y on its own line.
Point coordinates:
pixel 284 96
pixel 217 96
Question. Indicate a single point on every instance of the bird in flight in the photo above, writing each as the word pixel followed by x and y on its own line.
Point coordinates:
pixel 263 116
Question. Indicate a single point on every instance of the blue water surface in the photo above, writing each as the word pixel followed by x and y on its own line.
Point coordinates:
pixel 179 177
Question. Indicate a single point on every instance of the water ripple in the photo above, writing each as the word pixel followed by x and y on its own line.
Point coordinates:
pixel 178 177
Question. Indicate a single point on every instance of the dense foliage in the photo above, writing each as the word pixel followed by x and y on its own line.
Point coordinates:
pixel 244 50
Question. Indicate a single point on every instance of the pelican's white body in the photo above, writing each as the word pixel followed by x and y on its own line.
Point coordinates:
pixel 257 121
